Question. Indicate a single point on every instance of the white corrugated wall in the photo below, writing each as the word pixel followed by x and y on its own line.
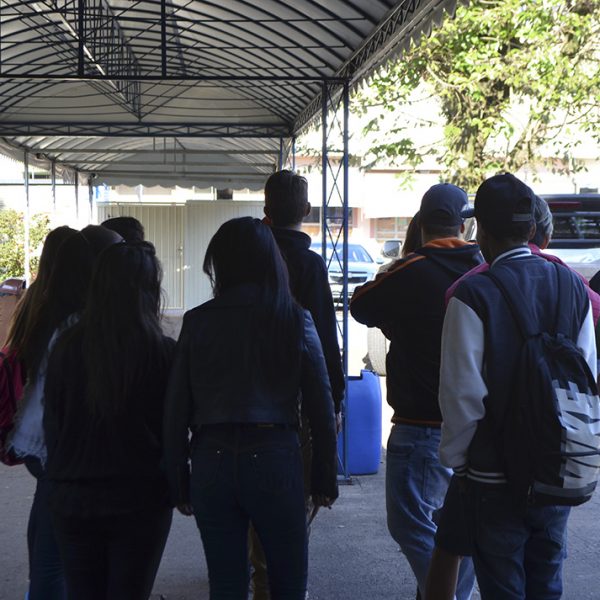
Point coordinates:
pixel 181 234
pixel 164 228
pixel 203 218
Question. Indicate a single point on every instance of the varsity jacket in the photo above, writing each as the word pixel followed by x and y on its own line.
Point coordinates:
pixel 480 350
pixel 592 295
pixel 407 304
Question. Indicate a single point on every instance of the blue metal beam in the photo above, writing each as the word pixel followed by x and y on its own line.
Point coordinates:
pixel 150 129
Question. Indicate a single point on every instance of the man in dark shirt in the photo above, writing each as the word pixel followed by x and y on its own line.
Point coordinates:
pixel 407 303
pixel 286 205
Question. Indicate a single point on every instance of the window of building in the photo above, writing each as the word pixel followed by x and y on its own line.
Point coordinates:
pixel 390 228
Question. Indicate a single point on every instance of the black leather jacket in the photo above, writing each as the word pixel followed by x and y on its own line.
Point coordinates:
pixel 209 384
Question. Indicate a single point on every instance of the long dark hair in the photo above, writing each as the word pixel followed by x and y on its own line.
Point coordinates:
pixel 412 239
pixel 67 288
pixel 25 315
pixel 122 338
pixel 244 251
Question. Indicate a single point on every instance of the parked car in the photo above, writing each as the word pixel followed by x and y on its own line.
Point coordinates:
pixel 576 241
pixel 361 267
pixel 576 238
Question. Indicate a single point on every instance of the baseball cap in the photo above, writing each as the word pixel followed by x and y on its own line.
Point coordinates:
pixel 499 204
pixel 444 204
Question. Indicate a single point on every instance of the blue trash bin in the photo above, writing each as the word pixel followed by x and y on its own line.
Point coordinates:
pixel 363 425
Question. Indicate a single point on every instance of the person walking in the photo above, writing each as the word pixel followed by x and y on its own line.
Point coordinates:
pixel 286 205
pixel 407 303
pixel 104 399
pixel 241 363
pixel 50 306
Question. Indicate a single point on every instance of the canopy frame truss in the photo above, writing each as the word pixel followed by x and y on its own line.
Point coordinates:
pixel 89 39
pixel 334 229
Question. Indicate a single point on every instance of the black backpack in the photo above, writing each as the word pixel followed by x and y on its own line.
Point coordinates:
pixel 550 438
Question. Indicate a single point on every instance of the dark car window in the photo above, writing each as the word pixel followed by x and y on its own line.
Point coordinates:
pixel 573 227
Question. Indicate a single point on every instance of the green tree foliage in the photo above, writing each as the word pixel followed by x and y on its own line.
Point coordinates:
pixel 510 77
pixel 12 242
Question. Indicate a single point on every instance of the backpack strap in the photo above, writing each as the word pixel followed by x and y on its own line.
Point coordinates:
pixel 566 300
pixel 519 304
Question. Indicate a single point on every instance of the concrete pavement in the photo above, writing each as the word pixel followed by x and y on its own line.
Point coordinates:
pixel 352 556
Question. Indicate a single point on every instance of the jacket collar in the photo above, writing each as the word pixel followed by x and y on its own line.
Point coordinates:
pixel 291 237
pixel 519 252
pixel 447 243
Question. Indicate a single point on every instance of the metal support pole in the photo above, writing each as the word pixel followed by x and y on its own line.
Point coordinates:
pixel 280 162
pixel 346 211
pixel 81 38
pixel 294 153
pixel 77 196
pixel 163 36
pixel 53 175
pixel 324 161
pixel 27 224
pixel 91 198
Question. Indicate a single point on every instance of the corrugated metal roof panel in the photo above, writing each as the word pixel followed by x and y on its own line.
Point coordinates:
pixel 124 76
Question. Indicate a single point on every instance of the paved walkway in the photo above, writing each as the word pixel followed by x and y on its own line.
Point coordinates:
pixel 352 556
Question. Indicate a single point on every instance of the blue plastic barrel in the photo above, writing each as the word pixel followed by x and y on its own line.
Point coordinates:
pixel 363 425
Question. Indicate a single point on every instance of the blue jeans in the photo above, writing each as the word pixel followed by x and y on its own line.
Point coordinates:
pixel 243 474
pixel 415 487
pixel 46 576
pixel 518 553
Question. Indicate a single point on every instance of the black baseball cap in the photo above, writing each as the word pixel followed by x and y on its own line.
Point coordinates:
pixel 444 204
pixel 502 201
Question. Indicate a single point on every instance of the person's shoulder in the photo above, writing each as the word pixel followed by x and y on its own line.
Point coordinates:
pixel 474 285
pixel 577 280
pixel 68 348
pixel 407 263
pixel 168 343
pixel 196 314
pixel 304 263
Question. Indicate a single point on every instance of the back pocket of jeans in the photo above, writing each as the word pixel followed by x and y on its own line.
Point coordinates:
pixel 276 469
pixel 205 467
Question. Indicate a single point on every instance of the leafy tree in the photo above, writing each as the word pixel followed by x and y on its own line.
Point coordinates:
pixel 12 242
pixel 510 78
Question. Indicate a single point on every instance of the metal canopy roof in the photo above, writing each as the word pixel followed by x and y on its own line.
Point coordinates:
pixel 184 91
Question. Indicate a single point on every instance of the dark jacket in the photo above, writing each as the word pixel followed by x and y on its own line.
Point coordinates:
pixel 407 303
pixel 103 466
pixel 212 383
pixel 309 283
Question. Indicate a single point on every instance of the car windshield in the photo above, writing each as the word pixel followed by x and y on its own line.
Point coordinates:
pixel 356 253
